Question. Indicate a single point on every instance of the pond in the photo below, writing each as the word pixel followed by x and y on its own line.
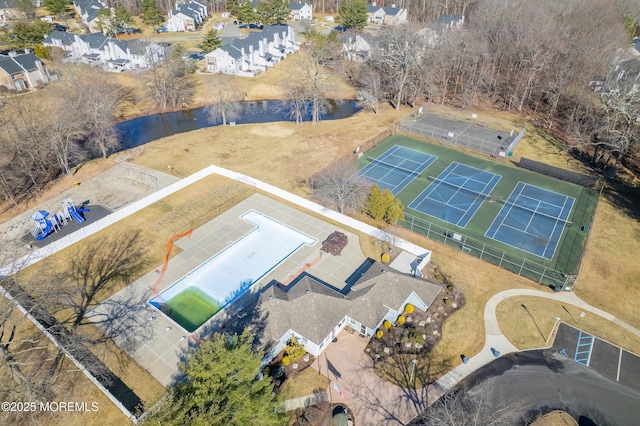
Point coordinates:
pixel 140 131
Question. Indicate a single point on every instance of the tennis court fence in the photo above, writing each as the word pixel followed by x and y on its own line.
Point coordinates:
pixel 518 265
pixel 557 172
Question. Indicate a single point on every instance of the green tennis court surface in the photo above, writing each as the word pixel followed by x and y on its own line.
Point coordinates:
pixel 551 262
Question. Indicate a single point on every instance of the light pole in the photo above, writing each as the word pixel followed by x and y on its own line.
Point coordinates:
pixel 413 369
pixel 552 328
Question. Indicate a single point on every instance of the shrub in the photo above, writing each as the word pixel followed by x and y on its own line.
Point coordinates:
pixel 416 337
pixel 448 302
pixel 451 288
pixel 385 258
pixel 294 350
pixel 409 308
pixel 286 360
pixel 379 334
pixel 383 205
pixel 387 324
pixel 401 320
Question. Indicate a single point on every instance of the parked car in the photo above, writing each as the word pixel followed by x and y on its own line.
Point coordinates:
pixel 256 26
pixel 162 29
pixel 196 56
pixel 59 27
pixel 219 26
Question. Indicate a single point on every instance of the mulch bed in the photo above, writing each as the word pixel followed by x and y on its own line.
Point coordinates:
pixel 322 414
pixel 281 372
pixel 422 330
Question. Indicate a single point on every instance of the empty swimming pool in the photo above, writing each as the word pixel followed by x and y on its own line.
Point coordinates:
pixel 228 274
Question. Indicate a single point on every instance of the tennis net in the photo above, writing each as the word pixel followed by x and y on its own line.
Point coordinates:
pixel 476 194
pixel 536 212
pixel 392 167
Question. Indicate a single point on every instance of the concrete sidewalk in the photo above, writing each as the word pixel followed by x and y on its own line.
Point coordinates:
pixel 495 339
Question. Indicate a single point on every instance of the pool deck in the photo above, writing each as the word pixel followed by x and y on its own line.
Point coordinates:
pixel 162 344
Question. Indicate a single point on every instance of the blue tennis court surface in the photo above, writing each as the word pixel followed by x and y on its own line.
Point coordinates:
pixel 532 220
pixel 456 194
pixel 396 168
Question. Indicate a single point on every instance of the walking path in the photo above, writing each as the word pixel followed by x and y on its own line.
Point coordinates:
pixel 496 340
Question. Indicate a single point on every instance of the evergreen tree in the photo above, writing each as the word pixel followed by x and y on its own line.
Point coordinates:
pixel 245 13
pixel 211 41
pixel 221 387
pixel 353 14
pixel 151 13
pixel 383 205
pixel 232 6
pixel 56 6
pixel 273 12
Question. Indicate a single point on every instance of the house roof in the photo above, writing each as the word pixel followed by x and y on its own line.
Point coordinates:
pixel 64 37
pixel 18 64
pixel 373 8
pixel 9 4
pixel 393 11
pixel 95 40
pixel 296 6
pixel 448 19
pixel 312 308
pixel 636 44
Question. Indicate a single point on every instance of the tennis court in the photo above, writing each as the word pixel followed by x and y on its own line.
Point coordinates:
pixel 456 194
pixel 396 168
pixel 532 219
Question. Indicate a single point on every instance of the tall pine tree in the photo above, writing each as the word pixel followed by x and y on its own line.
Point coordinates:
pixel 221 388
pixel 151 13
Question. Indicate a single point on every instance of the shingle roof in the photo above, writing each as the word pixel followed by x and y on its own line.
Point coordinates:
pixel 393 11
pixel 9 65
pixel 313 309
pixel 95 40
pixel 373 9
pixel 28 61
pixel 64 37
pixel 296 6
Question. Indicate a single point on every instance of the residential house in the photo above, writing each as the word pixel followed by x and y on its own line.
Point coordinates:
pixel 301 12
pixel 434 30
pixel 375 13
pixel 99 50
pixel 314 312
pixel 253 54
pixel 88 12
pixel 449 22
pixel 357 46
pixel 187 16
pixel 394 16
pixel 20 72
pixel 9 10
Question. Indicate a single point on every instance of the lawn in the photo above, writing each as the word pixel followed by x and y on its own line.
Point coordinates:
pixel 519 327
pixel 303 384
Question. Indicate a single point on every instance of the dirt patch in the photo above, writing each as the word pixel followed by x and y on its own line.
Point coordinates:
pixel 322 414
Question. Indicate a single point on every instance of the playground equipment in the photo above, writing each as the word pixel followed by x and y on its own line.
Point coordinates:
pixel 45 223
pixel 74 212
pixel 43 226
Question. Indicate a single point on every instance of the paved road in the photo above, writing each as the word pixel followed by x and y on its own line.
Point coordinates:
pixel 543 380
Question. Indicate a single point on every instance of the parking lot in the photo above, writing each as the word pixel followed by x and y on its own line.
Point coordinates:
pixel 603 357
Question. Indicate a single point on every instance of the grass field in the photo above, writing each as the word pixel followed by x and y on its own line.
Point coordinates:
pixel 520 328
pixel 568 254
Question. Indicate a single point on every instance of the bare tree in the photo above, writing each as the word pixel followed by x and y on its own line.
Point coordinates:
pixel 226 98
pixel 341 186
pixel 457 408
pixel 95 100
pixel 297 103
pixel 168 80
pixel 398 56
pixel 321 52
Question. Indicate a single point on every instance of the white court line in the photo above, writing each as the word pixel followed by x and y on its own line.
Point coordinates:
pixel 619 364
pixel 511 205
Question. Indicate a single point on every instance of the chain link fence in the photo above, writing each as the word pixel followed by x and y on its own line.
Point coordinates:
pixel 518 265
